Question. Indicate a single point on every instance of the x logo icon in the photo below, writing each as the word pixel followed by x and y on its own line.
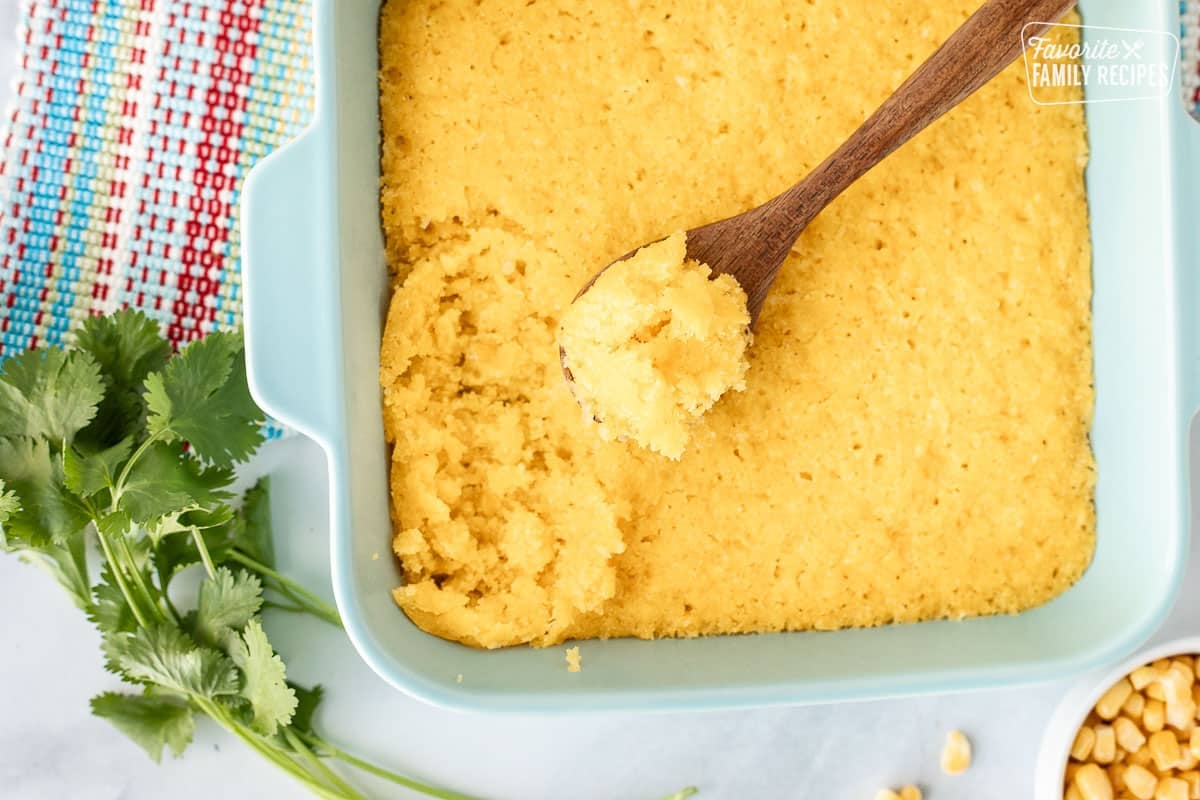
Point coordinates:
pixel 1133 50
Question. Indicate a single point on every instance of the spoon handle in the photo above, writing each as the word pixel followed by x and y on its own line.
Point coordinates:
pixel 985 44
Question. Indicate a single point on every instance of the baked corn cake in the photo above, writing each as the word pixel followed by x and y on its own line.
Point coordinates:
pixel 912 440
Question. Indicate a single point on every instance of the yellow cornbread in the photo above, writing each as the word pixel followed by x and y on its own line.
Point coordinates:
pixel 912 440
pixel 654 343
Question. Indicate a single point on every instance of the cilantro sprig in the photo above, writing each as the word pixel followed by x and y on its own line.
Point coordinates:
pixel 119 443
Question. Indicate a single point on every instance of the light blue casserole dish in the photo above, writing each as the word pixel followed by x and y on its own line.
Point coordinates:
pixel 315 295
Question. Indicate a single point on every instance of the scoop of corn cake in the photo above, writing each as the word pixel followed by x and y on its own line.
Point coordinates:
pixel 654 343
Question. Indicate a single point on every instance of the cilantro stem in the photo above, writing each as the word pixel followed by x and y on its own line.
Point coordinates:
pixel 138 579
pixel 171 606
pixel 380 772
pixel 320 611
pixel 318 765
pixel 119 575
pixel 270 752
pixel 164 582
pixel 310 601
pixel 284 607
pixel 683 794
pixel 211 568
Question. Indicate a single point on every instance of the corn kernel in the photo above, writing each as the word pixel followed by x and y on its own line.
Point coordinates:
pixel 886 794
pixel 1142 677
pixel 1141 756
pixel 1129 736
pixel 1186 759
pixel 1155 691
pixel 1184 667
pixel 1109 704
pixel 956 755
pixel 1176 686
pixel 1182 716
pixel 1196 694
pixel 1194 743
pixel 1072 793
pixel 1154 716
pixel 1134 705
pixel 1171 789
pixel 1165 750
pixel 1105 748
pixel 1140 782
pixel 1093 783
pixel 1073 768
pixel 1162 664
pixel 1192 779
pixel 1116 776
pixel 1081 748
pixel 910 792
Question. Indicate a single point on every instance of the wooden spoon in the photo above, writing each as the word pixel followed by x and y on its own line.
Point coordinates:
pixel 753 245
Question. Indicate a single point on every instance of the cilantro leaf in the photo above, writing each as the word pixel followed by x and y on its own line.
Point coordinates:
pixel 48 394
pixel 127 346
pixel 202 398
pixel 251 530
pixel 48 512
pixel 205 518
pixel 164 655
pixel 307 701
pixel 109 610
pixel 198 519
pixel 67 564
pixel 166 481
pixel 87 474
pixel 151 722
pixel 265 685
pixel 227 603
pixel 10 504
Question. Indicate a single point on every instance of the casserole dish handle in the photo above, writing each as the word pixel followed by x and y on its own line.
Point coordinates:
pixel 289 329
pixel 1187 242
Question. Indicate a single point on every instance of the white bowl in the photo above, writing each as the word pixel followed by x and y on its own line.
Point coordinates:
pixel 1074 708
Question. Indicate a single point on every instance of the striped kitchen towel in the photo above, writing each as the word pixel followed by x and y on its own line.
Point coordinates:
pixel 134 124
pixel 122 159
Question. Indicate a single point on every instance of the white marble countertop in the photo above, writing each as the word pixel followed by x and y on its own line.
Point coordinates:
pixel 52 749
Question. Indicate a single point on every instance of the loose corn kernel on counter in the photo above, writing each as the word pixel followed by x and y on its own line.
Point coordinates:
pixel 653 344
pixel 912 442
